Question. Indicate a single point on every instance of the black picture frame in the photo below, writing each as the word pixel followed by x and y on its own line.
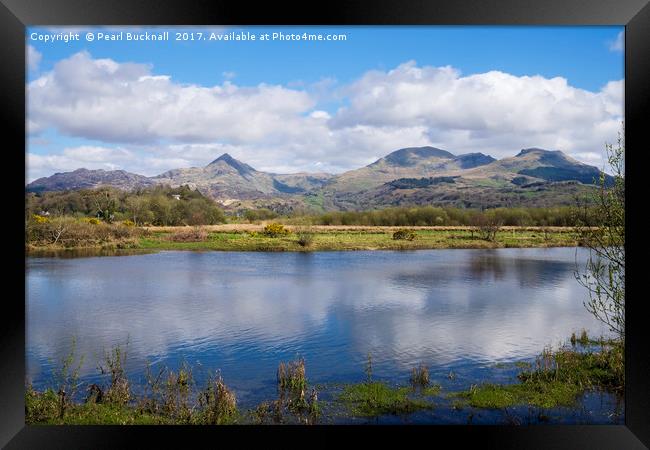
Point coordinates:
pixel 17 14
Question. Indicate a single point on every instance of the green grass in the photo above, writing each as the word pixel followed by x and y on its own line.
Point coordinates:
pixel 545 395
pixel 358 240
pixel 44 408
pixel 375 398
pixel 431 391
pixel 556 379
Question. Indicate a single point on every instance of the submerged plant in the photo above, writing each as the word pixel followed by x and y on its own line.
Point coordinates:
pixel 420 376
pixel 368 368
pixel 291 376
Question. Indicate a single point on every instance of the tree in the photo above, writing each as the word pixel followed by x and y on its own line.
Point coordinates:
pixel 137 206
pixel 487 225
pixel 103 201
pixel 602 231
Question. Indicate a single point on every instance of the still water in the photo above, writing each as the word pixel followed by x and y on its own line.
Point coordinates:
pixel 461 311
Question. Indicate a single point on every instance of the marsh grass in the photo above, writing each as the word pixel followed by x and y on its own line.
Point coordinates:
pixel 291 376
pixel 420 376
pixel 557 378
pixel 375 398
pixel 119 389
pixel 295 401
pixel 218 403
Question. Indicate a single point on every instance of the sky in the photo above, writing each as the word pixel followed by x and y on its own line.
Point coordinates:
pixel 284 105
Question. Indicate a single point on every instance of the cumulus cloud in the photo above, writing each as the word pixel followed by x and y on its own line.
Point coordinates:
pixel 618 44
pixel 123 102
pixel 165 124
pixel 33 58
pixel 72 158
pixel 494 112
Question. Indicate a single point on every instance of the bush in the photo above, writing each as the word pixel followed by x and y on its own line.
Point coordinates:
pixel 194 235
pixel 305 237
pixel 71 232
pixel 487 226
pixel 253 215
pixel 404 235
pixel 128 223
pixel 40 219
pixel 275 230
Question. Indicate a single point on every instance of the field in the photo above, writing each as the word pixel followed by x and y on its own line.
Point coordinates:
pixel 252 237
pixel 248 237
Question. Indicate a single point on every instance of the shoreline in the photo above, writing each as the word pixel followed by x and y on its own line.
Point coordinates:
pixel 557 378
pixel 251 237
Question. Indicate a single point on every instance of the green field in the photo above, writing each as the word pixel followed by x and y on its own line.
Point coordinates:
pixel 358 240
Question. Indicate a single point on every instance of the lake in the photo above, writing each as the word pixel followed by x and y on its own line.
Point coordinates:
pixel 468 312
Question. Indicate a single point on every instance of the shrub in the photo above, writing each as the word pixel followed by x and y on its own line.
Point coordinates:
pixel 275 230
pixel 305 237
pixel 194 235
pixel 404 235
pixel 253 215
pixel 70 232
pixel 487 226
pixel 128 223
pixel 40 219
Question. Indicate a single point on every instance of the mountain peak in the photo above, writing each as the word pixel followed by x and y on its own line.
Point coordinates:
pixel 526 151
pixel 410 156
pixel 471 160
pixel 224 157
pixel 239 166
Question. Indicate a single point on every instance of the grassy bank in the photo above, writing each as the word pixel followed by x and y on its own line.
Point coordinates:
pixel 249 237
pixel 557 378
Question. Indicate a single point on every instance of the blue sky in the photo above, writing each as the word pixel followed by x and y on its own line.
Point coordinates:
pixel 328 89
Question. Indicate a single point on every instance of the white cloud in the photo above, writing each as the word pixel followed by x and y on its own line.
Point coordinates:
pixel 493 112
pixel 123 102
pixel 33 58
pixel 618 44
pixel 88 157
pixel 165 124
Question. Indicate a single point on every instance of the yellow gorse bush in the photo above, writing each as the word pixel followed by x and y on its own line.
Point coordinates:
pixel 275 230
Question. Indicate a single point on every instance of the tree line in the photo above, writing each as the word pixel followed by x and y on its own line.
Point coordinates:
pixel 561 216
pixel 166 206
pixel 159 205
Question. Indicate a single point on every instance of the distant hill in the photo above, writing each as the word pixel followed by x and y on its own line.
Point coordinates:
pixel 408 176
pixel 84 178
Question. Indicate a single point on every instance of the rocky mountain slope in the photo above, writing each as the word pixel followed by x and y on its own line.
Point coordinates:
pixel 408 176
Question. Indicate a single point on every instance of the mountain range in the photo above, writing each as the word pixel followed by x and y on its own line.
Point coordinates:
pixel 408 176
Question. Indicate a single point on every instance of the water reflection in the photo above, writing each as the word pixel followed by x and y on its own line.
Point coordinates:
pixel 244 312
